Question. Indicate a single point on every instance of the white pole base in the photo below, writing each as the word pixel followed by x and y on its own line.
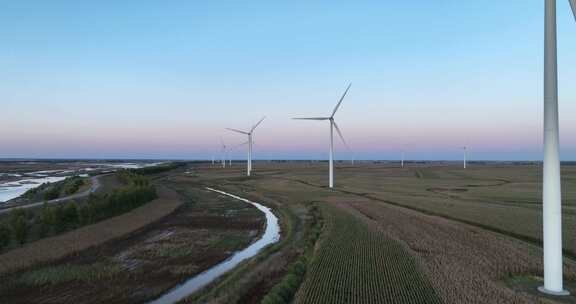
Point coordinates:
pixel 562 293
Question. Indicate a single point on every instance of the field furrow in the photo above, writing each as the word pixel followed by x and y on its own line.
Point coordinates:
pixel 357 264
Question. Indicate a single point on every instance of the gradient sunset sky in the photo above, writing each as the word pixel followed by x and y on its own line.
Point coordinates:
pixel 162 79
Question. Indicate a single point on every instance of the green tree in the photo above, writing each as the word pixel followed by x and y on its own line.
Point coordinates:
pixel 52 193
pixel 73 184
pixel 20 226
pixel 71 215
pixel 59 222
pixel 45 220
pixel 5 235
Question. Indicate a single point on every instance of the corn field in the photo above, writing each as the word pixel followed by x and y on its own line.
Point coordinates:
pixel 356 264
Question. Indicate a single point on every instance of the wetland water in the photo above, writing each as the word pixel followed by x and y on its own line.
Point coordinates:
pixel 31 180
pixel 14 189
pixel 271 235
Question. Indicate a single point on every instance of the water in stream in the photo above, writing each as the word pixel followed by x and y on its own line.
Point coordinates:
pixel 270 236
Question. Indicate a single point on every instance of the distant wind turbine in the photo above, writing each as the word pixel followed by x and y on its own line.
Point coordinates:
pixel 333 126
pixel 250 144
pixel 465 149
pixel 223 151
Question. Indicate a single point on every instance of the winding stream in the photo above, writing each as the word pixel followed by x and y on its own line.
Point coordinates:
pixel 270 236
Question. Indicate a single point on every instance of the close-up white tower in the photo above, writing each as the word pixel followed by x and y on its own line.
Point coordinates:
pixel 551 182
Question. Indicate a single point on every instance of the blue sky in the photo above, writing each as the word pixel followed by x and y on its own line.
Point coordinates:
pixel 162 79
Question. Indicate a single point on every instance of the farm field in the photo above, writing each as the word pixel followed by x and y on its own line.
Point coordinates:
pixel 357 264
pixel 502 198
pixel 467 231
pixel 427 233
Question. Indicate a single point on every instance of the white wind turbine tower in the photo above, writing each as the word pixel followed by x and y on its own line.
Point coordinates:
pixel 223 152
pixel 465 149
pixel 552 192
pixel 250 144
pixel 333 126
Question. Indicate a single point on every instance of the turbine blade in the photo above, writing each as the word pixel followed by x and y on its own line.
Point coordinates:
pixel 573 5
pixel 313 118
pixel 256 125
pixel 340 102
pixel 341 136
pixel 237 131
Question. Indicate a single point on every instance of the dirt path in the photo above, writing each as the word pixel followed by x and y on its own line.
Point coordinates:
pixel 57 247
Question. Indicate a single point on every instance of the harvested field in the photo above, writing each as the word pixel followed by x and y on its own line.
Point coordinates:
pixel 505 199
pixel 464 263
pixel 467 231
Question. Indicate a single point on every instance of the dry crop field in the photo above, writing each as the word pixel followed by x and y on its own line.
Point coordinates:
pixel 459 235
pixel 501 198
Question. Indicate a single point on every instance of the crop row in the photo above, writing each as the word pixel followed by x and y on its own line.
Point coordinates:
pixel 357 264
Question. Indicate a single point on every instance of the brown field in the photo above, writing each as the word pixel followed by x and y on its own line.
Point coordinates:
pixel 469 231
pixel 428 233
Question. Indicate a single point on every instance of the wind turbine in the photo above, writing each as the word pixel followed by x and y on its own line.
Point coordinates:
pixel 223 152
pixel 333 126
pixel 552 192
pixel 465 149
pixel 250 144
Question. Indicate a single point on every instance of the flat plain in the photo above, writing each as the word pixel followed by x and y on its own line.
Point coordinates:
pixel 426 233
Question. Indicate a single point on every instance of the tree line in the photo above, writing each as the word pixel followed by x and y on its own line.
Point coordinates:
pixel 50 191
pixel 54 219
pixel 159 168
